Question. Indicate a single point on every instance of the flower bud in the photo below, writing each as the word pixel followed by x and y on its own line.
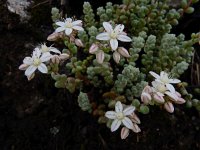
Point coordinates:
pixel 93 48
pixel 54 36
pixel 158 98
pixel 134 118
pixel 180 101
pixel 100 56
pixel 116 57
pixel 55 59
pixel 136 128
pixel 145 98
pixel 147 89
pixel 23 67
pixel 123 52
pixel 79 43
pixel 169 107
pixel 124 133
pixel 172 96
pixel 64 56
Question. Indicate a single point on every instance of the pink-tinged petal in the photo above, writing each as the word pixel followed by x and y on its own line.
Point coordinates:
pixel 107 27
pixel 123 52
pixel 178 94
pixel 52 49
pixel 53 37
pixel 124 38
pixel 118 107
pixel 116 57
pixel 29 71
pixel 42 68
pixel 45 57
pixel 180 101
pixel 119 28
pixel 79 28
pixel 31 76
pixel 169 107
pixel 68 31
pixel 136 128
pixel 100 56
pixel 124 133
pixel 23 67
pixel 127 123
pixel 113 44
pixel 170 88
pixel 158 99
pixel 147 89
pixel 77 22
pixel 59 23
pixel 115 125
pixel 111 114
pixel 103 36
pixel 60 29
pixel 134 118
pixel 93 48
pixel 28 61
pixel 172 96
pixel 155 75
pixel 129 110
pixel 145 97
pixel 174 81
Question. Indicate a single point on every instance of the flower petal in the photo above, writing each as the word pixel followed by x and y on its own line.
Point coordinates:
pixel 42 68
pixel 45 57
pixel 124 38
pixel 68 31
pixel 118 107
pixel 173 96
pixel 111 114
pixel 124 133
pixel 79 28
pixel 107 27
pixel 113 44
pixel 127 123
pixel 68 19
pixel 119 28
pixel 115 125
pixel 23 67
pixel 28 60
pixel 52 49
pixel 129 110
pixel 103 36
pixel 174 81
pixel 136 128
pixel 29 71
pixel 134 118
pixel 77 22
pixel 60 23
pixel 155 75
pixel 60 29
pixel 170 88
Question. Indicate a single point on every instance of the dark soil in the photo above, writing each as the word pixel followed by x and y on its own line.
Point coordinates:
pixel 32 112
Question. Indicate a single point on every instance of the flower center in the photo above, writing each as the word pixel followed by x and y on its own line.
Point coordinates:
pixel 37 62
pixel 44 48
pixel 165 79
pixel 68 24
pixel 161 88
pixel 120 115
pixel 113 35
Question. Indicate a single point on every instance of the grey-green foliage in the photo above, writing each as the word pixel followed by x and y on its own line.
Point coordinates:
pixel 130 82
pixel 88 15
pixel 84 102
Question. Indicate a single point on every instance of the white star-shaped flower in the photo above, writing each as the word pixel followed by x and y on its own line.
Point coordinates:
pixel 45 49
pixel 113 35
pixel 69 25
pixel 120 116
pixel 165 79
pixel 36 62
